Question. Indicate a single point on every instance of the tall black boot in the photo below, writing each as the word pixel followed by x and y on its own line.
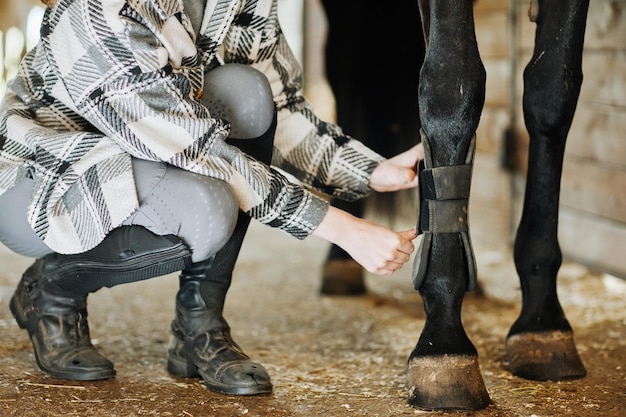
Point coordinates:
pixel 201 344
pixel 51 298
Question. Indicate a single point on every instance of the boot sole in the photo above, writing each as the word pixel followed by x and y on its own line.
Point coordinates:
pixel 184 369
pixel 181 368
pixel 78 376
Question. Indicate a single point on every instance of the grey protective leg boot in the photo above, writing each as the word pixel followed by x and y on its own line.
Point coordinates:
pixel 201 344
pixel 51 298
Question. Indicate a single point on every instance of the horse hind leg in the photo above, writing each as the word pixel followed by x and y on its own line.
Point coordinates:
pixel 540 344
pixel 443 368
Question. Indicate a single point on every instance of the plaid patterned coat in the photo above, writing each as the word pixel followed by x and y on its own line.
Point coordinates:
pixel 111 79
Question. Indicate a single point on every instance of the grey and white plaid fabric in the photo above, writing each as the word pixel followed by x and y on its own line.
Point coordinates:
pixel 112 79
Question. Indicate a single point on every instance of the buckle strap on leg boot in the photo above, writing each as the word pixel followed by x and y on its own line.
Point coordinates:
pixel 444 200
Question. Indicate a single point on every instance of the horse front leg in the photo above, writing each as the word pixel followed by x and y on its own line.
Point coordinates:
pixel 540 343
pixel 443 368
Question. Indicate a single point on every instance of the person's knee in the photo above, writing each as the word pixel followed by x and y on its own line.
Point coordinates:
pixel 242 96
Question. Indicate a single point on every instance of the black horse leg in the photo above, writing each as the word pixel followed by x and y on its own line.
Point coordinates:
pixel 540 343
pixel 443 368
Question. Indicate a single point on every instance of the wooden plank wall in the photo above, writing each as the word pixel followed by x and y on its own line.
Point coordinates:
pixel 592 223
pixel 490 201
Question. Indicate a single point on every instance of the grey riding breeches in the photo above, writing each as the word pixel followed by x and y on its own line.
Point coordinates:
pixel 201 211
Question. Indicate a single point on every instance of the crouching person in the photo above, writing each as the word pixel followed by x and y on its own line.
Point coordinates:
pixel 139 140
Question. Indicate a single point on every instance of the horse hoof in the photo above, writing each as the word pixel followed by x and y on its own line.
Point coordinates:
pixel 448 382
pixel 546 356
pixel 343 277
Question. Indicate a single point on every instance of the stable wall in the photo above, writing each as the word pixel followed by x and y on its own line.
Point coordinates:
pixel 592 222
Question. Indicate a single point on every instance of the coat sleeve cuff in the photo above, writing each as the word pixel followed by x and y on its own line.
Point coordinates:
pixel 307 213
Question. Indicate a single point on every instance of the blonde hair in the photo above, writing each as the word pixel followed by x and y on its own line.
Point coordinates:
pixel 49 3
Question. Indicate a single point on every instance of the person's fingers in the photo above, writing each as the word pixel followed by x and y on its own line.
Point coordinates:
pixel 411 177
pixel 407 243
pixel 383 271
pixel 409 234
pixel 398 175
pixel 389 268
pixel 400 259
pixel 419 151
pixel 406 178
pixel 411 157
pixel 396 262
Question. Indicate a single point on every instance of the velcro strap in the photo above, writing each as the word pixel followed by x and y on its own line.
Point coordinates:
pixel 444 216
pixel 448 182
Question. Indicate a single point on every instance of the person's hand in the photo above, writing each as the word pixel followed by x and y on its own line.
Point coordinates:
pixel 378 249
pixel 399 172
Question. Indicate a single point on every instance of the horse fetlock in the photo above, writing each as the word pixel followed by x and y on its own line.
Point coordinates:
pixel 544 356
pixel 446 382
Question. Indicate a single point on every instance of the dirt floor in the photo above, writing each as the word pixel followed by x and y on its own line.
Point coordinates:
pixel 328 356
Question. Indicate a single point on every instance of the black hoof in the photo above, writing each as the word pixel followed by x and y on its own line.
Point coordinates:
pixel 343 277
pixel 447 382
pixel 546 356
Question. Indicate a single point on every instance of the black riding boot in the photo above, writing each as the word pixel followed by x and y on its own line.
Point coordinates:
pixel 51 298
pixel 201 344
pixel 57 326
